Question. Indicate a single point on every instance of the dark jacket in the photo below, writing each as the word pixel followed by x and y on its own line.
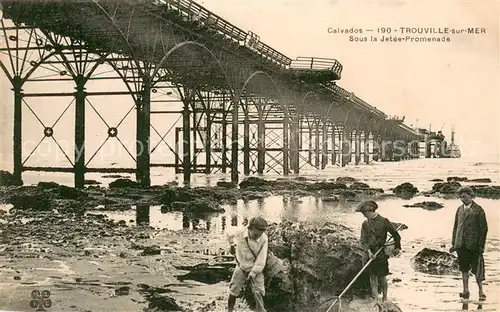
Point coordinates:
pixel 470 228
pixel 374 233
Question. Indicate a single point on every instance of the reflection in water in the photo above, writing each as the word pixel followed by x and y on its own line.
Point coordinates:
pixel 223 223
pixel 142 215
pixel 185 222
pixel 273 209
pixel 465 306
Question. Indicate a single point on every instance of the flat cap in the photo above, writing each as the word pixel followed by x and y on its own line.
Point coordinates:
pixel 367 205
pixel 258 223
pixel 465 189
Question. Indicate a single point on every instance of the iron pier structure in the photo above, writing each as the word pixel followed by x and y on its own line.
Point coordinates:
pixel 212 97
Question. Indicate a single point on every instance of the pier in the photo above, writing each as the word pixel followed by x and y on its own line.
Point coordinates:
pixel 214 96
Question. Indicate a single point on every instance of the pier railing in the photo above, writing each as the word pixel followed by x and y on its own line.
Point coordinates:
pixel 195 12
pixel 356 100
pixel 316 63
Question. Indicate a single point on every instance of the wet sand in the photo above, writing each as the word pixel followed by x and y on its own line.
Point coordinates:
pixel 84 274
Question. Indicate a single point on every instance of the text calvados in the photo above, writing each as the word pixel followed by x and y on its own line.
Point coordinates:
pixel 352 30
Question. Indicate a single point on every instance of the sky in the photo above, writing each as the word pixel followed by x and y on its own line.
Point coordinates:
pixel 440 84
pixel 443 84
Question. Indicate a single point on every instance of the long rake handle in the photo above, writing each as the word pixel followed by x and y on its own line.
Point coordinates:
pixel 257 298
pixel 360 272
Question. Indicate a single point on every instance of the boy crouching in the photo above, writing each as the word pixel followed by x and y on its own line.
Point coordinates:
pixel 250 246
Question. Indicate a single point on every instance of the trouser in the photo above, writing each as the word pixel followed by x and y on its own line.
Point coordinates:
pixel 471 260
pixel 238 281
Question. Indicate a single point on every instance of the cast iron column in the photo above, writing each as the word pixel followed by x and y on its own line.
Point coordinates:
pixel 80 131
pixel 186 141
pixel 17 85
pixel 286 152
pixel 234 141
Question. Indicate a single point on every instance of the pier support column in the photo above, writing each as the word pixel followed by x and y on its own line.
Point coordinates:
pixel 366 150
pixel 387 149
pixel 177 153
pixel 333 146
pixel 324 155
pixel 390 156
pixel 316 141
pixel 234 141
pixel 224 146
pixel 261 144
pixel 246 145
pixel 194 133
pixel 295 145
pixel 357 147
pixel 208 142
pixel 340 145
pixel 186 142
pixel 79 153
pixel 346 147
pixel 415 149
pixel 383 150
pixel 428 147
pixel 310 149
pixel 143 133
pixel 352 143
pixel 286 152
pixel 405 150
pixel 398 150
pixel 377 142
pixel 17 84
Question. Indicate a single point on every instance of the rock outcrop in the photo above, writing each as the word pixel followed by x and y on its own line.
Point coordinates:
pixel 356 190
pixel 450 188
pixel 487 191
pixel 456 179
pixel 480 180
pixel 446 187
pixel 121 183
pixel 433 261
pixel 405 190
pixel 465 179
pixel 318 263
pixel 428 205
pixel 8 179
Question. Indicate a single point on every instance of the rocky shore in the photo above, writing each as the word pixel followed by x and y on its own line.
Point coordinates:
pixel 52 236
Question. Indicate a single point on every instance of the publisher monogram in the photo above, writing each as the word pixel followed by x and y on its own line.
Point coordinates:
pixel 40 300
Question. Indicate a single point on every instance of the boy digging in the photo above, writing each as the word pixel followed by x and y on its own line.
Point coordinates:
pixel 249 246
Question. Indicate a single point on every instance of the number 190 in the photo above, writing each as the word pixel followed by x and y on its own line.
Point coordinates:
pixel 384 30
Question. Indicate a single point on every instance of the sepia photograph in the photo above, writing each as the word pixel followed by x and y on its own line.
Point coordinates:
pixel 237 156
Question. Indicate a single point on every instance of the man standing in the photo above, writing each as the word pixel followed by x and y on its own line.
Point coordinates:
pixel 373 237
pixel 249 246
pixel 468 240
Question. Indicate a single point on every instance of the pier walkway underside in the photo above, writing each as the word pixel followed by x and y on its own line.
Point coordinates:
pixel 215 97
